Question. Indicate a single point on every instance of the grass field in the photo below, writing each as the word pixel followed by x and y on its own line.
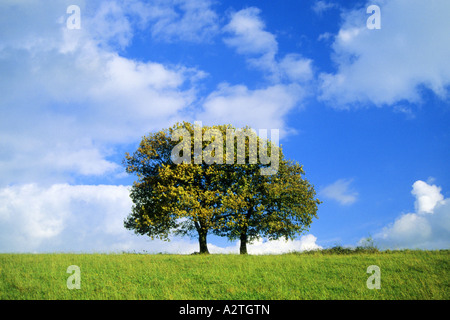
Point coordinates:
pixel 404 275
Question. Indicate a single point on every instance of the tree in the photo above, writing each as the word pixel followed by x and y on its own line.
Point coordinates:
pixel 172 196
pixel 192 181
pixel 278 205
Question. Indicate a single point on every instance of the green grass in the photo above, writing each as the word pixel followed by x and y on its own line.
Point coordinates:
pixel 326 275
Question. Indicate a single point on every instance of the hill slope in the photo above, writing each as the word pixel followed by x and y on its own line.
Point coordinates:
pixel 404 275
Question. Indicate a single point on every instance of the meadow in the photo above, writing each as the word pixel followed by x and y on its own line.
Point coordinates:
pixel 409 274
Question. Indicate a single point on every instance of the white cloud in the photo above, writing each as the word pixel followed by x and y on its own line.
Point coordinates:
pixel 379 66
pixel 75 98
pixel 320 6
pixel 264 108
pixel 340 191
pixel 109 26
pixel 62 217
pixel 85 161
pixel 114 22
pixel 67 97
pixel 89 218
pixel 74 218
pixel 324 36
pixel 427 228
pixel 249 37
pixel 296 68
pixel 180 20
pixel 261 246
pixel 305 243
pixel 427 196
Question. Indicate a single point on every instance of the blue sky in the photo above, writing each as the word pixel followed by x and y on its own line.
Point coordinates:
pixel 366 111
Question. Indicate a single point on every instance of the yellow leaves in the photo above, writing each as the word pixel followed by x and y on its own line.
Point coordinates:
pixel 214 196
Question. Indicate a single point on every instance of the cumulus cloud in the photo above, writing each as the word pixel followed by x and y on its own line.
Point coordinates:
pixel 427 196
pixel 179 20
pixel 89 218
pixel 70 98
pixel 296 68
pixel 114 22
pixel 67 96
pixel 264 108
pixel 62 217
pixel 262 246
pixel 248 36
pixel 109 26
pixel 380 67
pixel 305 243
pixel 340 191
pixel 427 228
pixel 74 218
pixel 268 105
pixel 320 6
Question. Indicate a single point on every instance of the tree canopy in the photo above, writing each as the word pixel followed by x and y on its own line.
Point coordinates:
pixel 197 180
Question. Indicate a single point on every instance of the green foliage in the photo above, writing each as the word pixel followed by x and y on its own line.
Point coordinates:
pixel 272 206
pixel 172 198
pixel 367 246
pixel 339 250
pixel 230 196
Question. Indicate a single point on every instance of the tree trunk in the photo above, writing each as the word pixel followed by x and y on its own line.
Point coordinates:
pixel 202 242
pixel 243 236
pixel 243 247
pixel 201 238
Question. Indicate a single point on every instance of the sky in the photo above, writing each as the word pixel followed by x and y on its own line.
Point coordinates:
pixel 361 99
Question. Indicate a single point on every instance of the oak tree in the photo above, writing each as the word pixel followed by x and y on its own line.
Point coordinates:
pixel 172 197
pixel 279 205
pixel 195 180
